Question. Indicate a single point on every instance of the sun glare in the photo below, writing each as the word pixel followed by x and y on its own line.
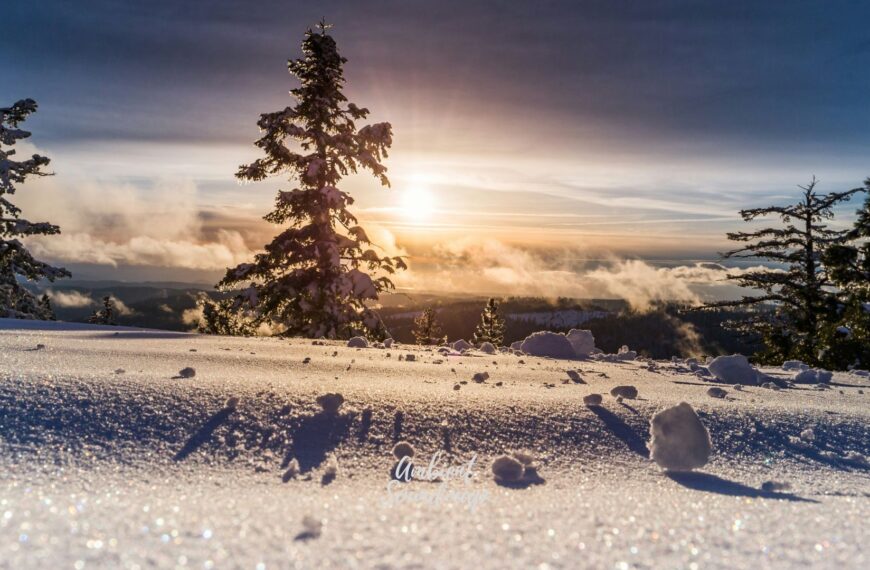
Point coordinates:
pixel 417 203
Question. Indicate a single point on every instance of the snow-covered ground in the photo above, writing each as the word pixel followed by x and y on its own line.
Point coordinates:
pixel 109 458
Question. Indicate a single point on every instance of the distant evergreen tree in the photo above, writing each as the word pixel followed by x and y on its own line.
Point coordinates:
pixel 313 279
pixel 798 299
pixel 427 329
pixel 491 326
pixel 106 315
pixel 15 300
pixel 848 266
pixel 46 308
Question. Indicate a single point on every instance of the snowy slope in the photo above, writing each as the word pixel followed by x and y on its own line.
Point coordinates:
pixel 110 459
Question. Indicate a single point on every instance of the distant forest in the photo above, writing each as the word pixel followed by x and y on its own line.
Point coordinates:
pixel 664 332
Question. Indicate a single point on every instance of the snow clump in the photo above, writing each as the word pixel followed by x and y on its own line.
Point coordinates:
pixel 311 528
pixel 734 369
pixel 330 402
pixel 680 442
pixel 592 400
pixel 358 342
pixel 187 372
pixel 715 392
pixel 582 341
pixel 628 392
pixel 403 449
pixel 508 468
pixel 546 343
pixel 813 376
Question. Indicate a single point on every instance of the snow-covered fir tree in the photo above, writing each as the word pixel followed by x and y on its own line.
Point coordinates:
pixel 15 261
pixel 317 278
pixel 797 300
pixel 106 315
pixel 491 326
pixel 427 329
pixel 848 266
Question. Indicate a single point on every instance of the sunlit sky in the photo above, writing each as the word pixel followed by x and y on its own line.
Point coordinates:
pixel 528 135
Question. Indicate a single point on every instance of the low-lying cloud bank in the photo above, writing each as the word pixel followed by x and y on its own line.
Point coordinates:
pixel 157 225
pixel 490 266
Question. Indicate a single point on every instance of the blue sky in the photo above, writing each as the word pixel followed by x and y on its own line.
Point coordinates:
pixel 572 130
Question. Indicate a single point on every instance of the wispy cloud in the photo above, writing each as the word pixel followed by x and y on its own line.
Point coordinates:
pixel 69 299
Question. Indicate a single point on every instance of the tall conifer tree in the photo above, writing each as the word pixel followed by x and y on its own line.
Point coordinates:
pixel 796 298
pixel 316 278
pixel 15 300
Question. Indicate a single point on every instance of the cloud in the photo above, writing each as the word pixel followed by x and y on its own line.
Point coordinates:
pixel 160 224
pixel 121 308
pixel 69 299
pixel 493 267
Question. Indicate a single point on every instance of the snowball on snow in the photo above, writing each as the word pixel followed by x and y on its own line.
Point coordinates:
pixel 716 392
pixel 330 402
pixel 582 341
pixel 680 442
pixel 812 376
pixel 508 468
pixel 311 528
pixel 403 449
pixel 488 348
pixel 461 345
pixel 358 342
pixel 546 343
pixel 592 399
pixel 734 369
pixel 629 392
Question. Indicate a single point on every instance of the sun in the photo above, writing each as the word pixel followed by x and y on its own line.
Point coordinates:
pixel 418 203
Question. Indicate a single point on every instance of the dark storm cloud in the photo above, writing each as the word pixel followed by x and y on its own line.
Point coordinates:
pixel 724 72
